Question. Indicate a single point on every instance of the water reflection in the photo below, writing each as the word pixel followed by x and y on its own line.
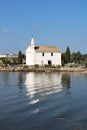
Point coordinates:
pixel 6 78
pixel 39 85
pixel 20 80
pixel 66 80
pixel 44 101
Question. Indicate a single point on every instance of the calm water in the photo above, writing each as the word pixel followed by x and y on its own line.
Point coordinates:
pixel 43 101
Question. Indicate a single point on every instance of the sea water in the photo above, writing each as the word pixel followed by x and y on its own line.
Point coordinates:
pixel 43 101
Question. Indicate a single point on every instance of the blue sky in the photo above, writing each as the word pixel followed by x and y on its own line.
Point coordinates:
pixel 59 23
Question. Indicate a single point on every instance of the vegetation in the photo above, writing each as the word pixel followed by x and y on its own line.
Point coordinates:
pixel 51 66
pixel 25 66
pixel 67 55
pixel 6 61
pixel 13 61
pixel 20 57
pixel 76 58
pixel 36 66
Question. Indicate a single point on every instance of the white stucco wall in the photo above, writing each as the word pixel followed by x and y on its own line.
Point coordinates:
pixel 30 57
pixel 55 59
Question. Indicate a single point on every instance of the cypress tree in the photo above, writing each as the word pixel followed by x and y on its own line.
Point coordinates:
pixel 20 57
pixel 67 55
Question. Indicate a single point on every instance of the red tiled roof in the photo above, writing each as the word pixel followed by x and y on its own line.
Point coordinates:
pixel 47 49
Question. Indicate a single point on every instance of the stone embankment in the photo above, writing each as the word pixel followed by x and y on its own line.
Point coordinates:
pixel 78 69
pixel 28 69
pixel 41 69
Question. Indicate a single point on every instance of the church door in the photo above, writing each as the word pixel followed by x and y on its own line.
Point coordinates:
pixel 49 62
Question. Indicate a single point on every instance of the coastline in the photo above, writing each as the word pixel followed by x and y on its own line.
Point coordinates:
pixel 42 69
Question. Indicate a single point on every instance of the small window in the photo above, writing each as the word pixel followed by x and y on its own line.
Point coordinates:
pixel 43 54
pixel 51 53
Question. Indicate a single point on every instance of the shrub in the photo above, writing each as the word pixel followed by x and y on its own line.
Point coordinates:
pixel 58 66
pixel 36 66
pixel 86 64
pixel 47 65
pixel 53 66
pixel 26 66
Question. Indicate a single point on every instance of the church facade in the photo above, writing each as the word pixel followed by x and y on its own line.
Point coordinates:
pixel 42 55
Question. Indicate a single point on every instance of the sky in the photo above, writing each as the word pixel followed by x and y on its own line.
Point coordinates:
pixel 58 23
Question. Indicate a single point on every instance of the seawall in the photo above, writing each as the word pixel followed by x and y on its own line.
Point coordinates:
pixel 41 69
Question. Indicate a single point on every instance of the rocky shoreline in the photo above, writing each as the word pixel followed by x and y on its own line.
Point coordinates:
pixel 28 69
pixel 41 69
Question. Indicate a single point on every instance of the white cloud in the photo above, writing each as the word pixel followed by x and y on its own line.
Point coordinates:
pixel 34 25
pixel 5 30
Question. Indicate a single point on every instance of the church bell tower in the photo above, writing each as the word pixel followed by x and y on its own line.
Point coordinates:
pixel 32 42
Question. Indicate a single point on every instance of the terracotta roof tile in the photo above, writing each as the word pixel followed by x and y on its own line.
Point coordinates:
pixel 47 49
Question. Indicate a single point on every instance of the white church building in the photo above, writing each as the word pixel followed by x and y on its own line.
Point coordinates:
pixel 42 54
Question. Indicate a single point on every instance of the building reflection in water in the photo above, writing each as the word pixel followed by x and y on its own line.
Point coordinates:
pixel 39 85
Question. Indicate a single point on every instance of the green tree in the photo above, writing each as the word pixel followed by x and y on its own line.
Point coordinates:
pixel 63 59
pixel 67 55
pixel 77 57
pixel 20 57
pixel 6 61
pixel 73 57
pixel 14 61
